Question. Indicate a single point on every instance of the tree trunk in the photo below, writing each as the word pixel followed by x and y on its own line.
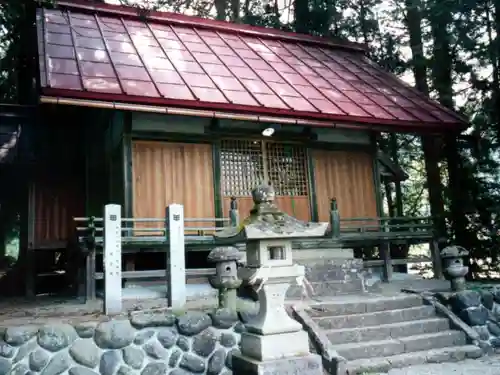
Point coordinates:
pixel 440 20
pixel 301 14
pixel 430 144
pixel 235 11
pixel 220 8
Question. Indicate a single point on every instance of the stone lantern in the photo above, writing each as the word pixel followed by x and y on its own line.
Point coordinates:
pixel 274 342
pixel 226 275
pixel 454 267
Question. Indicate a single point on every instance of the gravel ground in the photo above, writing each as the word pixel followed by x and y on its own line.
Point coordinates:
pixel 482 366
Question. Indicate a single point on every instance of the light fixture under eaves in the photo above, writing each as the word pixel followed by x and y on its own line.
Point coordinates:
pixel 267 132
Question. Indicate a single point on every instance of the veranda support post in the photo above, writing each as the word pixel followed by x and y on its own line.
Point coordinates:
pixel 385 254
pixel 334 218
pixel 176 258
pixel 112 259
pixel 234 216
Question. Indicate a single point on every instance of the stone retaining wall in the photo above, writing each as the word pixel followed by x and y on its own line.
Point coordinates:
pixel 480 310
pixel 147 343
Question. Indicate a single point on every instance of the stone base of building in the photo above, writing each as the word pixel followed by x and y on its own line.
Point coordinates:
pixel 330 271
pixel 309 364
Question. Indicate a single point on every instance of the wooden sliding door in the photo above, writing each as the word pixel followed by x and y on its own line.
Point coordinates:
pixel 166 173
pixel 347 176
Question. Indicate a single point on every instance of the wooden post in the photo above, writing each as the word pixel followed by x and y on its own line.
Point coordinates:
pixel 90 261
pixel 30 268
pixel 334 218
pixel 437 265
pixel 234 215
pixel 176 257
pixel 112 259
pixel 385 255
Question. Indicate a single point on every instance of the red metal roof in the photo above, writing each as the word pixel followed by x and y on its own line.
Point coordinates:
pixel 108 53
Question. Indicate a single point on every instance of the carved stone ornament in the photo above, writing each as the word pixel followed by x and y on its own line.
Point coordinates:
pixel 266 220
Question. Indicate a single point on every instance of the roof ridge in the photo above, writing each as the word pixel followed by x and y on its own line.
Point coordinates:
pixel 187 20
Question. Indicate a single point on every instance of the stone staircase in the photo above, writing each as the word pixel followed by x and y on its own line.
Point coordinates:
pixel 378 333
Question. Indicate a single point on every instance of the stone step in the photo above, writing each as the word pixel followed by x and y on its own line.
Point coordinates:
pixel 376 318
pixel 415 343
pixel 360 305
pixel 384 364
pixel 382 332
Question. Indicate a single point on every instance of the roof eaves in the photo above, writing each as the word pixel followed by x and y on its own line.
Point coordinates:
pixel 297 117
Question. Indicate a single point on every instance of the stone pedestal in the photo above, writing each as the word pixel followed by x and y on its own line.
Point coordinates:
pixel 272 317
pixel 307 364
pixel 277 346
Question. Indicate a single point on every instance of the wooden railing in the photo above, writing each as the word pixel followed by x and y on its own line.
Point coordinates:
pixel 140 233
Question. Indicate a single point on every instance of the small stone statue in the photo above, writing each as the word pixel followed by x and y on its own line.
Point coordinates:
pixel 226 275
pixel 454 267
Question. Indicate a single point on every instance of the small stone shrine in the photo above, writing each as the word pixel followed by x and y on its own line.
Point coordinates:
pixel 226 279
pixel 274 343
pixel 454 268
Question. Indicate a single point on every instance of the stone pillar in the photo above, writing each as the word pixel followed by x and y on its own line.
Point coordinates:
pixel 112 259
pixel 176 257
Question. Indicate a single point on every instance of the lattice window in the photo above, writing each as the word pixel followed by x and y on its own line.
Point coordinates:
pixel 241 167
pixel 245 164
pixel 287 169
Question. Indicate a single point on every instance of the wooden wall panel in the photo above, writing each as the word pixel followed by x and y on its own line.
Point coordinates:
pixel 297 206
pixel 347 176
pixel 56 201
pixel 166 172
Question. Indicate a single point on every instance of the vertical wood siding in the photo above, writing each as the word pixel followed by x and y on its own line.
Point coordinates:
pixel 57 201
pixel 347 176
pixel 166 173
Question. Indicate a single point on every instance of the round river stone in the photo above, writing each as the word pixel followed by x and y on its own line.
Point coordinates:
pixel 110 361
pixel 228 340
pixel 204 343
pixel 56 337
pixel 465 299
pixel 154 349
pixel 192 363
pixel 85 330
pixel 58 364
pixel 155 368
pixel 5 366
pixel 152 319
pixel 184 343
pixel 17 336
pixel 143 336
pixel 85 352
pixel 115 334
pixel 475 316
pixel 192 323
pixel 173 361
pixel 133 357
pixel 78 370
pixel 216 362
pixel 167 337
pixel 38 360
